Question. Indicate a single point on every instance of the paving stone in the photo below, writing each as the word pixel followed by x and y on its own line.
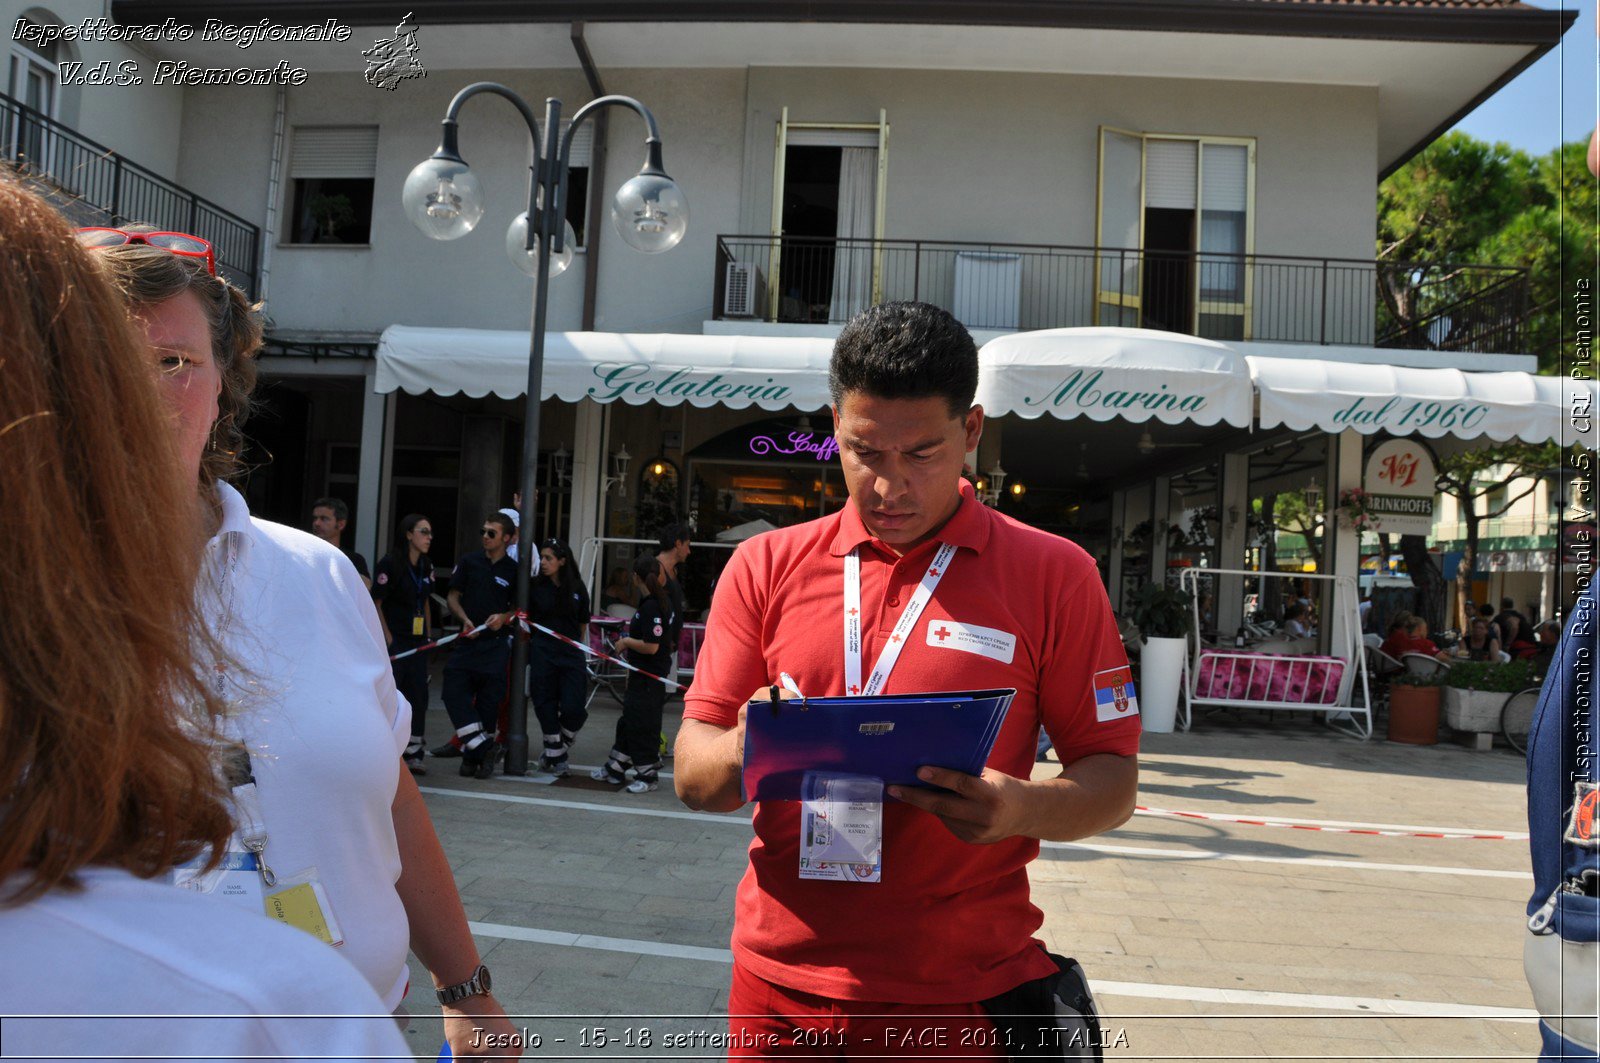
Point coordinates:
pixel 1290 928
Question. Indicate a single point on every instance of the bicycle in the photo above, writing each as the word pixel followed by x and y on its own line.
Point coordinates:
pixel 1516 717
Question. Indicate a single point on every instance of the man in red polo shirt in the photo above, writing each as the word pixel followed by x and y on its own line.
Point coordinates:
pixel 949 924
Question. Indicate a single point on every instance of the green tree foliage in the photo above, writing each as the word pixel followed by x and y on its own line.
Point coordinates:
pixel 1463 201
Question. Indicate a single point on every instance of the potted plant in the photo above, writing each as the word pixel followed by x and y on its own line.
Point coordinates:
pixel 1165 617
pixel 1476 691
pixel 1355 508
pixel 1414 708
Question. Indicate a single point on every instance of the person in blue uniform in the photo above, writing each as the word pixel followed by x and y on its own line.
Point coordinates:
pixel 558 601
pixel 400 586
pixel 651 640
pixel 475 677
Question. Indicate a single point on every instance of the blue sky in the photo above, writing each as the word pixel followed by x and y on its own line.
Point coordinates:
pixel 1553 100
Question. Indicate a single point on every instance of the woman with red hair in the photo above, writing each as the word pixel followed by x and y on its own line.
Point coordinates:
pixel 108 750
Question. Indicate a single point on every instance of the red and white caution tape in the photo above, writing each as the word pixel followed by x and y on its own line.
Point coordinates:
pixel 529 625
pixel 436 643
pixel 1329 829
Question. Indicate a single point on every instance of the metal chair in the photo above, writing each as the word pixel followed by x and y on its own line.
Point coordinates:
pixel 1380 663
pixel 1381 670
pixel 1422 664
pixel 605 674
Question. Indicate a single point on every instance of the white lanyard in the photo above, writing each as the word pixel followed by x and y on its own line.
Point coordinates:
pixel 250 827
pixel 902 629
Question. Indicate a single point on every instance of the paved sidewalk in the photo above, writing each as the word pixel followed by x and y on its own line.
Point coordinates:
pixel 1203 938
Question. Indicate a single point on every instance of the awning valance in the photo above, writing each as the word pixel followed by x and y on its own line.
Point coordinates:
pixel 771 372
pixel 1101 373
pixel 1332 396
pixel 1107 373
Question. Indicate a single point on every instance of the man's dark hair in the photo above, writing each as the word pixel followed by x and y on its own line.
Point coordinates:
pixel 905 351
pixel 671 536
pixel 1507 604
pixel 507 529
pixel 1486 609
pixel 340 510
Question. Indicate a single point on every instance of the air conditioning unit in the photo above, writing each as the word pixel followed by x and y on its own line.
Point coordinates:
pixel 741 290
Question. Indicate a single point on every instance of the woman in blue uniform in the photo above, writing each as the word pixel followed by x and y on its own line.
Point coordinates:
pixel 401 586
pixel 652 637
pixel 558 601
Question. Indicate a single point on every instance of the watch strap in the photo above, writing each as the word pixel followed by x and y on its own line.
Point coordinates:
pixel 478 983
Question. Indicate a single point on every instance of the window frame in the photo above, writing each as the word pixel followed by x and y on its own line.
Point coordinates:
pixel 288 231
pixel 1245 308
pixel 775 253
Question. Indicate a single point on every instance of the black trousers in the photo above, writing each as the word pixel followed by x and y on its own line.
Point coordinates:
pixel 411 679
pixel 639 727
pixel 558 684
pixel 475 685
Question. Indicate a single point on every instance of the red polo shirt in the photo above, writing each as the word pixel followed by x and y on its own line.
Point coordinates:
pixel 949 922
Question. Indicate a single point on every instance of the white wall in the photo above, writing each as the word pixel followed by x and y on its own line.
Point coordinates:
pixel 973 156
pixel 142 123
pixel 1014 157
pixel 406 278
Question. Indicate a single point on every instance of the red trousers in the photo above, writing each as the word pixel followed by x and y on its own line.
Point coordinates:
pixel 767 1021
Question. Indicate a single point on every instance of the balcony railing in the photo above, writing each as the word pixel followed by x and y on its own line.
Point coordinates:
pixel 93 185
pixel 1275 298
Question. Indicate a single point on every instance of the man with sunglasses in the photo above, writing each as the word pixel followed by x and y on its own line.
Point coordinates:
pixel 481 590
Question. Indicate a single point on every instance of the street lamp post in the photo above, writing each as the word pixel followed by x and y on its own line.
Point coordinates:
pixel 443 198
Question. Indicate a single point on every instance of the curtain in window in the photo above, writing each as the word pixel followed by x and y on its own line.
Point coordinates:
pixel 1222 218
pixel 1119 280
pixel 852 262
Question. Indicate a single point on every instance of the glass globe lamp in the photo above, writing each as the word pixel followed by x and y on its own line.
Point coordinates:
pixel 650 213
pixel 442 197
pixel 526 258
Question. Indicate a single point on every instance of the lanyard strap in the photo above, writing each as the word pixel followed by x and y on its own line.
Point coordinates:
pixel 420 582
pixel 237 770
pixel 902 629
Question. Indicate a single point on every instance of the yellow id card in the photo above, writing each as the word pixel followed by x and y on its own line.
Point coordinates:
pixel 304 906
pixel 416 625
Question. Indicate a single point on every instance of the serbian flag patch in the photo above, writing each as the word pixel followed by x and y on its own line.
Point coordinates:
pixel 1114 695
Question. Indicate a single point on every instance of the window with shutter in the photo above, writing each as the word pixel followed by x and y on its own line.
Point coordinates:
pixel 1175 232
pixel 579 158
pixel 331 171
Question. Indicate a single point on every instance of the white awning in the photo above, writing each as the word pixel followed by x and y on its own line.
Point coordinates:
pixel 773 373
pixel 1332 396
pixel 1107 373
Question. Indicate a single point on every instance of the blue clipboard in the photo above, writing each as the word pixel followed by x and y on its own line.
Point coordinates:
pixel 887 737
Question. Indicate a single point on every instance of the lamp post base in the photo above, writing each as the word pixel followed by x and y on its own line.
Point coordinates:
pixel 516 754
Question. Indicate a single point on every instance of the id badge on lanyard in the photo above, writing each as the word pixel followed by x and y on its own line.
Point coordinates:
pixel 242 875
pixel 841 818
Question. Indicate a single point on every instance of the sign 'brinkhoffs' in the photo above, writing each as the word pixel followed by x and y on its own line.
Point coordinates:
pixel 1399 480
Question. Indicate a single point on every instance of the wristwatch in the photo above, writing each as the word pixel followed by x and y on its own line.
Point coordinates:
pixel 478 983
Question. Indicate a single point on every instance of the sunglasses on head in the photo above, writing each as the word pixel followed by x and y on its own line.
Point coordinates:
pixel 180 244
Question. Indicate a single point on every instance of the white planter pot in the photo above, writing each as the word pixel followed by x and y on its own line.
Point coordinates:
pixel 1160 681
pixel 1473 710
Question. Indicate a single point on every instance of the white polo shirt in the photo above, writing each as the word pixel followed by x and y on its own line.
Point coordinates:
pixel 191 976
pixel 323 722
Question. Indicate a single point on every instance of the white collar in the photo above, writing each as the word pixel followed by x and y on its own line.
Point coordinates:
pixel 235 516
